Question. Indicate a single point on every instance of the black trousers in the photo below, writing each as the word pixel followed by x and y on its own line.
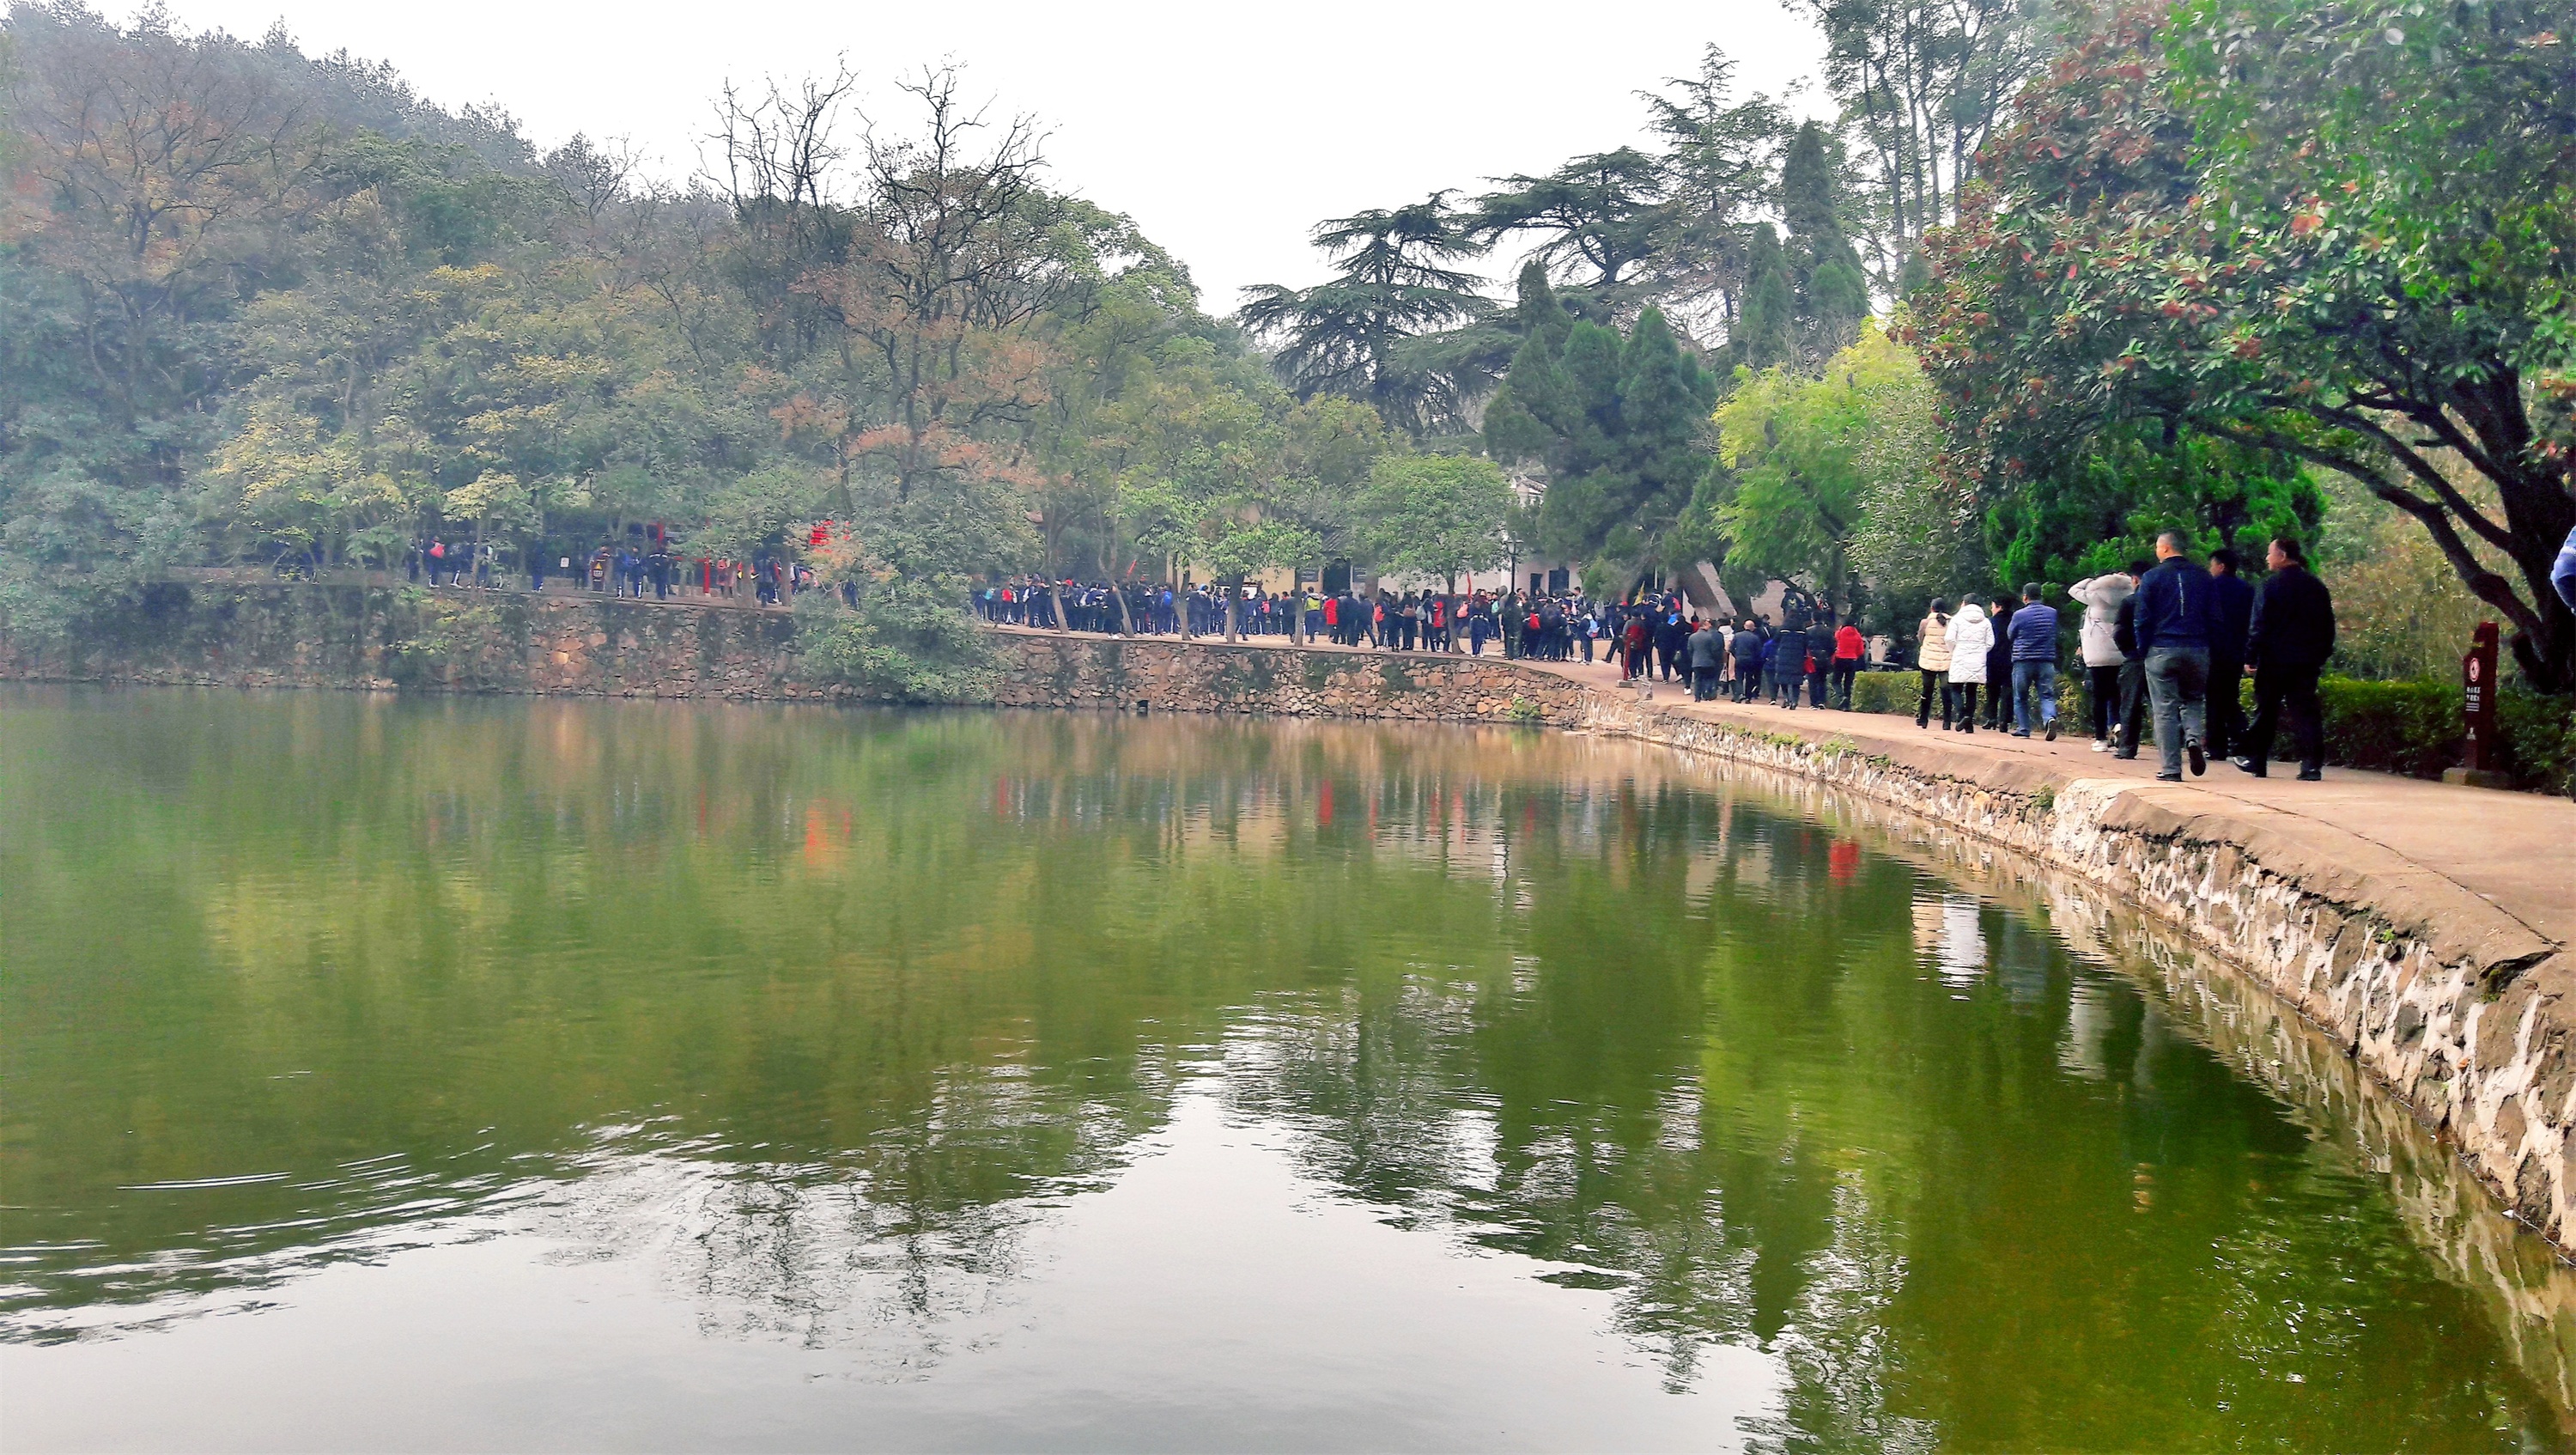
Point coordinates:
pixel 2226 705
pixel 2102 690
pixel 1845 669
pixel 2133 705
pixel 1933 682
pixel 2293 688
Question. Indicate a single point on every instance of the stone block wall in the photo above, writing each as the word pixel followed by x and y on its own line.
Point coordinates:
pixel 2462 1012
pixel 1169 675
pixel 575 643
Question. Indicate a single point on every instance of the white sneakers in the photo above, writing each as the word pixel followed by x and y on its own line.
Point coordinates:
pixel 2101 746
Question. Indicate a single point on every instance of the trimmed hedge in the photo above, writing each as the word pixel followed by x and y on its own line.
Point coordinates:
pixel 2412 728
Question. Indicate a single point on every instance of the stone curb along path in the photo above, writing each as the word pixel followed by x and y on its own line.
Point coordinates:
pixel 2456 1005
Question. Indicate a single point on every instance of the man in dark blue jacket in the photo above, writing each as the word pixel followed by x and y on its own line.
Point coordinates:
pixel 2293 634
pixel 2233 602
pixel 1747 647
pixel 2177 615
pixel 2033 632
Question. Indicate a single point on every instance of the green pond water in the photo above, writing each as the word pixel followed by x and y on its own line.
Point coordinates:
pixel 466 1074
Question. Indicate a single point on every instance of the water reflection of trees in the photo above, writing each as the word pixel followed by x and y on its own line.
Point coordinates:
pixel 861 998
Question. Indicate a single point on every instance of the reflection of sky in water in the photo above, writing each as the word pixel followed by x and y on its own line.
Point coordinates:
pixel 805 1314
pixel 1025 1080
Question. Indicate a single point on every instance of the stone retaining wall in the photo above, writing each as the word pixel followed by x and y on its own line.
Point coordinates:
pixel 2460 1010
pixel 1167 675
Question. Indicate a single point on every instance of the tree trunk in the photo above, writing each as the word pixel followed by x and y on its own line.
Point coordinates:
pixel 1233 594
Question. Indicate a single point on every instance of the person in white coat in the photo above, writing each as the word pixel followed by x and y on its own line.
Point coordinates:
pixel 1932 660
pixel 1970 635
pixel 2101 597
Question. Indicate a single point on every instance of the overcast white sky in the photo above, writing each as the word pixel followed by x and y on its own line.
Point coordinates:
pixel 1225 131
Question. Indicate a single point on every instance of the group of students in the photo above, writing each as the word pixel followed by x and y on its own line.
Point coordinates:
pixel 1538 626
pixel 2169 637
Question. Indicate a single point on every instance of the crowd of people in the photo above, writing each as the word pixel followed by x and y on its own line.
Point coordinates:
pixel 622 571
pixel 2167 639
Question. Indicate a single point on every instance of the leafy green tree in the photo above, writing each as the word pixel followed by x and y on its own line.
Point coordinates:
pixel 1799 477
pixel 1394 284
pixel 1767 334
pixel 2227 229
pixel 1601 214
pixel 1443 516
pixel 1620 427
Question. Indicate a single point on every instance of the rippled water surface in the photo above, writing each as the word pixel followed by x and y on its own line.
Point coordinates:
pixel 520 1075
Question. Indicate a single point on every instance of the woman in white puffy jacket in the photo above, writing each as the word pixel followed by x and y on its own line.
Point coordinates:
pixel 1932 660
pixel 1970 636
pixel 2102 596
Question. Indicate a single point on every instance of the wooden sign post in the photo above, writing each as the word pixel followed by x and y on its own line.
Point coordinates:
pixel 2481 765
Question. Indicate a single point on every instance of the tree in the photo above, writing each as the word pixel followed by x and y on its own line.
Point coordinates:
pixel 1619 426
pixel 1395 284
pixel 1832 295
pixel 1602 213
pixel 1717 167
pixel 1767 334
pixel 1921 83
pixel 1434 515
pixel 1800 473
pixel 2228 231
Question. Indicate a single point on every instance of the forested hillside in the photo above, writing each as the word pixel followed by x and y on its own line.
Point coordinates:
pixel 2045 282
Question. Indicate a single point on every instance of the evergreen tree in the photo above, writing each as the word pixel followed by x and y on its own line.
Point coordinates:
pixel 1767 334
pixel 1619 426
pixel 1832 295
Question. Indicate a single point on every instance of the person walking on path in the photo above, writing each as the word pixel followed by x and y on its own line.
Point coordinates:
pixel 2291 634
pixel 1789 665
pixel 1848 646
pixel 1747 648
pixel 1999 663
pixel 2034 663
pixel 1971 638
pixel 1636 638
pixel 2233 604
pixel 1707 651
pixel 2177 615
pixel 2097 639
pixel 1932 664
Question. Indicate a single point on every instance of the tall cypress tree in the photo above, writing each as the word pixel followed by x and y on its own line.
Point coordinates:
pixel 1825 270
pixel 1767 333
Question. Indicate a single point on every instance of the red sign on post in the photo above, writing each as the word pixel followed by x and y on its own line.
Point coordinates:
pixel 2477 702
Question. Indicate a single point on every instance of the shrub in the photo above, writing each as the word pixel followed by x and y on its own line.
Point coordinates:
pixel 1884 692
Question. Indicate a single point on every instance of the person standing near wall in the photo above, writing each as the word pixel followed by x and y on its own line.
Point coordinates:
pixel 2232 603
pixel 1932 664
pixel 2291 635
pixel 2176 617
pixel 2034 663
pixel 2101 597
pixel 1706 652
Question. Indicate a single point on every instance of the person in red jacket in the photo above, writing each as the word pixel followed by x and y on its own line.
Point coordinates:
pixel 1848 648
